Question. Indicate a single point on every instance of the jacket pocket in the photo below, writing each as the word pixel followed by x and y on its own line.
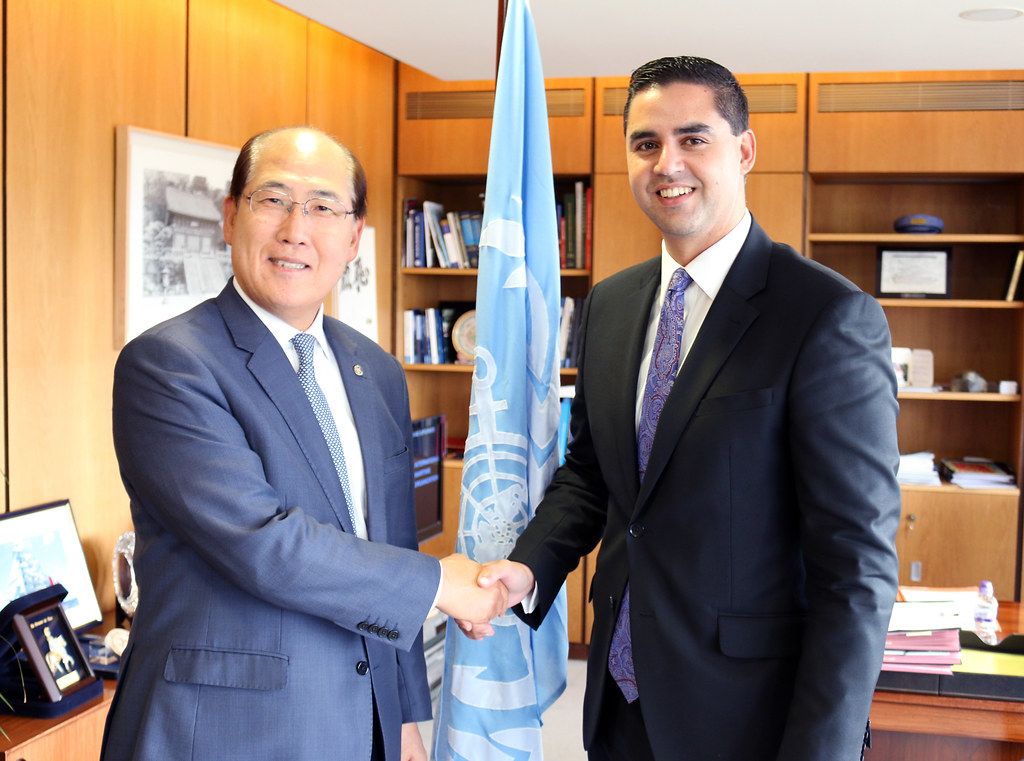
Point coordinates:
pixel 779 636
pixel 241 669
pixel 745 400
pixel 396 461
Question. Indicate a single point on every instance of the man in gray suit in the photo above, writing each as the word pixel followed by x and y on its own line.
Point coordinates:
pixel 734 452
pixel 265 449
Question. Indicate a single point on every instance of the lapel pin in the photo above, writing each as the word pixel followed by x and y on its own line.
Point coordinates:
pixel 358 370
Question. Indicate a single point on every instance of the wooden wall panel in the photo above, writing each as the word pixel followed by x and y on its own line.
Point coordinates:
pixel 76 70
pixel 777 203
pixel 246 69
pixel 780 136
pixel 459 146
pixel 4 465
pixel 915 141
pixel 351 95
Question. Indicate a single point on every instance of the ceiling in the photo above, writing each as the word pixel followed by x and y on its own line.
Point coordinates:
pixel 455 39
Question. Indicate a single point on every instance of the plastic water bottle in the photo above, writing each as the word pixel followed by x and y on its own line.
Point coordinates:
pixel 986 611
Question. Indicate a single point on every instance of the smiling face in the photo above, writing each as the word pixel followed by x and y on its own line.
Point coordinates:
pixel 686 168
pixel 289 265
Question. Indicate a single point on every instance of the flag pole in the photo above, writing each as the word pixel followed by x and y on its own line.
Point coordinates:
pixel 502 10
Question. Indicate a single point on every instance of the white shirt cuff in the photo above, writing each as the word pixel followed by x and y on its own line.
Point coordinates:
pixel 529 602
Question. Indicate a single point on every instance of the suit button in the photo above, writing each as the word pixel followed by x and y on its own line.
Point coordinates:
pixel 374 629
pixel 636 530
pixel 362 667
pixel 361 626
pixel 393 635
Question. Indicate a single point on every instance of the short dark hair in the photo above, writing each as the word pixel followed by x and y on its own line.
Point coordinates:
pixel 730 100
pixel 247 157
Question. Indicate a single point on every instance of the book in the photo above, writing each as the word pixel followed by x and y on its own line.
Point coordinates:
pixel 419 252
pixel 469 224
pixel 1011 288
pixel 579 219
pixel 432 214
pixel 976 473
pixel 588 232
pixel 450 311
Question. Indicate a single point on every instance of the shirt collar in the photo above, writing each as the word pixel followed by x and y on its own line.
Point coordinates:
pixel 281 330
pixel 709 268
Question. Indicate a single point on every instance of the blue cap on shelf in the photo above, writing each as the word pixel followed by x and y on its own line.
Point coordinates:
pixel 919 223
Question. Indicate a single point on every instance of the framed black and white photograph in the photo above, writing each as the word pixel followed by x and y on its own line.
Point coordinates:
pixel 914 273
pixel 170 251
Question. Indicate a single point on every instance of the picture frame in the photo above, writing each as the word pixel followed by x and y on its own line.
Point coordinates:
pixel 170 252
pixel 52 649
pixel 914 273
pixel 40 545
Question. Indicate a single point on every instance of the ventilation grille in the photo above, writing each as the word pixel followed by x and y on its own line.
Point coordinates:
pixel 479 104
pixel 763 99
pixel 921 96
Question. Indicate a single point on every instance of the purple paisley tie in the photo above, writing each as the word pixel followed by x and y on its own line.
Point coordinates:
pixel 660 377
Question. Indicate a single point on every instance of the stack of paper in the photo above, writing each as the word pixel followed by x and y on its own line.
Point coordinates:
pixel 918 468
pixel 923 638
pixel 977 473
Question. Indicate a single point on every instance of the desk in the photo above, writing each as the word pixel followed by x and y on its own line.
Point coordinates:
pixel 76 735
pixel 908 726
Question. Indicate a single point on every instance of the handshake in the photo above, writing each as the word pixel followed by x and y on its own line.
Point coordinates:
pixel 473 594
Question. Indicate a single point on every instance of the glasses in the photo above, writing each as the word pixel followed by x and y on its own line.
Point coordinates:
pixel 275 205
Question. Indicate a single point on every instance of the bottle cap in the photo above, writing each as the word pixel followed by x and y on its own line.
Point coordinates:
pixel 985 588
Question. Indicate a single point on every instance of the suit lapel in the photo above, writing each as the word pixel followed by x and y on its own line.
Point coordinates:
pixel 365 403
pixel 271 369
pixel 726 322
pixel 629 330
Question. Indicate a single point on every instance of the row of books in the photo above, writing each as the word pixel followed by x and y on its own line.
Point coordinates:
pixel 576 227
pixel 438 238
pixel 433 336
pixel 435 237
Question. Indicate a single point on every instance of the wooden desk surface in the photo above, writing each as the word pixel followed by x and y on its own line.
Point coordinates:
pixel 52 736
pixel 999 721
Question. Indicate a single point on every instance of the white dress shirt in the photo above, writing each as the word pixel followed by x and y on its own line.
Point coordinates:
pixel 708 270
pixel 328 376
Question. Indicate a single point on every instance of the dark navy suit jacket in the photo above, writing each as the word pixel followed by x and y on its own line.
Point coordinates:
pixel 759 547
pixel 265 627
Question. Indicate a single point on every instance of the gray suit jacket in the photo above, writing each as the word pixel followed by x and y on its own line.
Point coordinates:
pixel 759 546
pixel 265 628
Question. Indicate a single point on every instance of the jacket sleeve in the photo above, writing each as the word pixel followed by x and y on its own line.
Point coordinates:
pixel 844 455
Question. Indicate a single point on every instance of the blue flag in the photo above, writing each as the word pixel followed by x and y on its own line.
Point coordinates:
pixel 495 690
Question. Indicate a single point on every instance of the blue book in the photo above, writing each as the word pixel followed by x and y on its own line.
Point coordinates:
pixel 419 250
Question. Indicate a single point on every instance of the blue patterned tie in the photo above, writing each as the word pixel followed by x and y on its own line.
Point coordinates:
pixel 660 376
pixel 305 346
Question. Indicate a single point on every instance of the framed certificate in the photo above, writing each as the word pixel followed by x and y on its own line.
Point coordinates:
pixel 914 273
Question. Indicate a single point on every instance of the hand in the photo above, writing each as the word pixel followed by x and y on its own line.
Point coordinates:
pixel 462 598
pixel 517 579
pixel 412 743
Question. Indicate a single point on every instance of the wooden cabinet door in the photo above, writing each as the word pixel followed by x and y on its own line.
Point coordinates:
pixel 958 537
